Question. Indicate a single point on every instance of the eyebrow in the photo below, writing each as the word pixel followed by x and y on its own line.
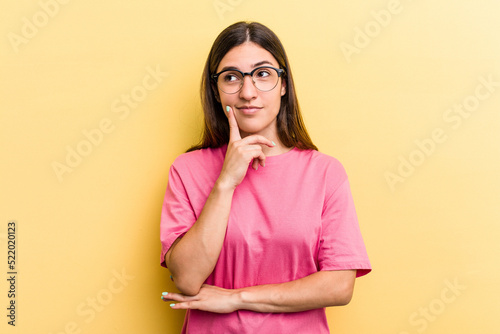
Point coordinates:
pixel 260 63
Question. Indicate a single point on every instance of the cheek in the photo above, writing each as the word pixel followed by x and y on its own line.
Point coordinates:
pixel 227 100
pixel 275 101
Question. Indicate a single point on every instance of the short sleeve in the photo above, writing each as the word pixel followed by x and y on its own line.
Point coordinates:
pixel 341 243
pixel 177 214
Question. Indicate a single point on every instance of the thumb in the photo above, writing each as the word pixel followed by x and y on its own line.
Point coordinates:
pixel 234 130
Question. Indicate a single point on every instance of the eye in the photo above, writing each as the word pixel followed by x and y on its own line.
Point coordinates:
pixel 263 73
pixel 230 77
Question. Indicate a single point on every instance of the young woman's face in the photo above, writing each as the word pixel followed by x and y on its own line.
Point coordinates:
pixel 255 110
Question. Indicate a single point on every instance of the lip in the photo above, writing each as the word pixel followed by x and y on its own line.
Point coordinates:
pixel 248 109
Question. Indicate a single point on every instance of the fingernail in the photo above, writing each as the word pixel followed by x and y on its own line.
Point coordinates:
pixel 273 143
pixel 257 167
pixel 172 305
pixel 164 293
pixel 227 108
pixel 171 278
pixel 161 297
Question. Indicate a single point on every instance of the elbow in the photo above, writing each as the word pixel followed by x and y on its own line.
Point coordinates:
pixel 188 290
pixel 344 297
pixel 188 283
pixel 342 294
pixel 186 287
pixel 184 282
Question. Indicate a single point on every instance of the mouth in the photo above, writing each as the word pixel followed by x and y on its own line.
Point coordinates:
pixel 248 109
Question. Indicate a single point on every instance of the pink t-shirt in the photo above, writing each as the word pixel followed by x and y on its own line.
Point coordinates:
pixel 289 219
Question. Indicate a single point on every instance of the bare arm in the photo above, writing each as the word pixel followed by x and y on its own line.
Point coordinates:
pixel 192 258
pixel 321 289
pixel 318 290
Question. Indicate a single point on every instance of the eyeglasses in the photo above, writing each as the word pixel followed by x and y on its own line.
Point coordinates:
pixel 265 78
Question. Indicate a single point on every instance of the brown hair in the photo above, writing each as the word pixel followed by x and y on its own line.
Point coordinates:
pixel 291 128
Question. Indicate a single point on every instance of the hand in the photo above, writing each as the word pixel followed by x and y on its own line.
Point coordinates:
pixel 210 298
pixel 240 152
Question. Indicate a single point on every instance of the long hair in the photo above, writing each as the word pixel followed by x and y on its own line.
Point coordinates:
pixel 291 128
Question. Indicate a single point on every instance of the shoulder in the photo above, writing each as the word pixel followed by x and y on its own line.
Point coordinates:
pixel 320 160
pixel 323 166
pixel 206 158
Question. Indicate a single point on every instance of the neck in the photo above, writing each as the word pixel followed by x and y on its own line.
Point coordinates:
pixel 270 151
pixel 276 150
pixel 271 134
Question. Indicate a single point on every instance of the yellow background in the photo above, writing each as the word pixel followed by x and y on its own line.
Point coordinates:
pixel 437 226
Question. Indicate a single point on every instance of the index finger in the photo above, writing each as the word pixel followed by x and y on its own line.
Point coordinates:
pixel 258 139
pixel 234 130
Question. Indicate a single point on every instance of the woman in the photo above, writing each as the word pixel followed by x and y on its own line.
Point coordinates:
pixel 258 228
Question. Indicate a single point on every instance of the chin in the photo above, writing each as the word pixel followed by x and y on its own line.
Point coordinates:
pixel 250 130
pixel 249 127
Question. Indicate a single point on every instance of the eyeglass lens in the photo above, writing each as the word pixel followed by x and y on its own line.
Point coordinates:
pixel 264 79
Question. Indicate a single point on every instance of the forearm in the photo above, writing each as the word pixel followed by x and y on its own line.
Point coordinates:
pixel 318 290
pixel 193 257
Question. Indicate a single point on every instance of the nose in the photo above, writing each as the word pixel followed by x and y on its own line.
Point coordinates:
pixel 248 90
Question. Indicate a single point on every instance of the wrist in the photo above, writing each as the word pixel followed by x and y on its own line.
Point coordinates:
pixel 222 185
pixel 239 297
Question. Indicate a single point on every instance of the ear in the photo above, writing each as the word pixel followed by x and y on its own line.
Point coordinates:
pixel 283 87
